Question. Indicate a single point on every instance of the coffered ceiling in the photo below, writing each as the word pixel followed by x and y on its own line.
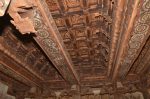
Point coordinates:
pixel 88 43
pixel 85 27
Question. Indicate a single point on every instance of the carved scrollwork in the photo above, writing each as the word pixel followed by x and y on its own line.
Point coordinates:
pixel 146 5
pixel 37 23
pixel 145 18
pixel 49 45
pixel 42 33
pixel 140 33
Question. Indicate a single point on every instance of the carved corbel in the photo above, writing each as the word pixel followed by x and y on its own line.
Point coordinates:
pixel 22 11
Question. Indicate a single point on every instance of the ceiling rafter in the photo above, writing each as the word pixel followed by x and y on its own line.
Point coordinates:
pixel 135 38
pixel 54 43
pixel 115 33
pixel 13 67
pixel 141 64
pixel 124 37
pixel 146 64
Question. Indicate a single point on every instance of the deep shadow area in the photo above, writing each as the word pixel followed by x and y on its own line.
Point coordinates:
pixel 4 22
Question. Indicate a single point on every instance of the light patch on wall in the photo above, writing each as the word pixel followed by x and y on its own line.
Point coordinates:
pixel 3 92
pixel 3 6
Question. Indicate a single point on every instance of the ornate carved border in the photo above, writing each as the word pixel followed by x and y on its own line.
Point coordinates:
pixel 139 36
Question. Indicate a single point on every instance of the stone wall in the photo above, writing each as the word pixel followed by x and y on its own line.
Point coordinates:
pixel 135 95
pixel 3 92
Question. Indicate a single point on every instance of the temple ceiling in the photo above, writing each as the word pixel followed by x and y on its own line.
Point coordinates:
pixel 85 28
pixel 59 44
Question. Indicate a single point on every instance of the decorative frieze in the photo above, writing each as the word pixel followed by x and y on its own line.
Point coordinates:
pixel 48 41
pixel 139 35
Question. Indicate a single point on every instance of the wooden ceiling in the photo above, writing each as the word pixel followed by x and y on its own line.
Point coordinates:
pixel 85 27
pixel 89 43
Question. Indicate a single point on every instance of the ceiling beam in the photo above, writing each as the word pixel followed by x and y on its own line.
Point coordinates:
pixel 11 67
pixel 53 45
pixel 81 12
pixel 4 78
pixel 146 64
pixel 143 65
pixel 133 40
pixel 124 39
pixel 117 20
pixel 56 85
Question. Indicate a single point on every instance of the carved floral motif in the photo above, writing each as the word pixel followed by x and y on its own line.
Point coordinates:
pixel 140 32
pixel 48 43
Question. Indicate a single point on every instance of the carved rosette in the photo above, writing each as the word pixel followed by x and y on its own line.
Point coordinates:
pixel 139 34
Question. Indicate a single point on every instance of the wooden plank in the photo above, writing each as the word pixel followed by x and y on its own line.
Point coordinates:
pixel 122 44
pixel 135 37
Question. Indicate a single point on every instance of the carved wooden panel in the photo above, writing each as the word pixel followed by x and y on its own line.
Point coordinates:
pixel 50 42
pixel 79 32
pixel 139 35
pixel 29 55
pixel 85 27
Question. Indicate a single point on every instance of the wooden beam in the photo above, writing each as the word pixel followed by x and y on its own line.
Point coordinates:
pixel 6 79
pixel 134 39
pixel 117 21
pixel 15 67
pixel 124 38
pixel 90 10
pixel 144 65
pixel 52 44
pixel 56 85
pixel 20 73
